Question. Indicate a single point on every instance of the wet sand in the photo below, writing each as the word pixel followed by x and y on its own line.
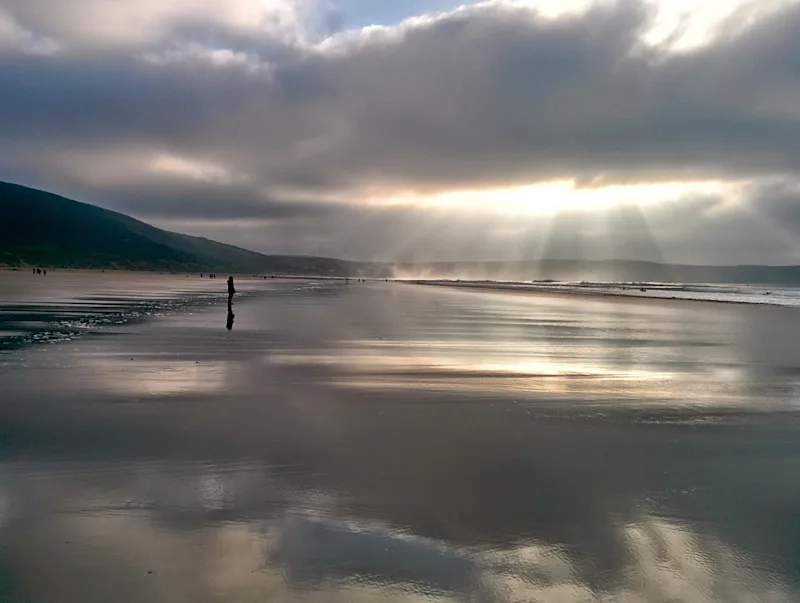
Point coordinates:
pixel 384 442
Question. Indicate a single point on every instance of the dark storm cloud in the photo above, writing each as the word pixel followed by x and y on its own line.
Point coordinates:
pixel 778 202
pixel 490 95
pixel 481 96
pixel 170 199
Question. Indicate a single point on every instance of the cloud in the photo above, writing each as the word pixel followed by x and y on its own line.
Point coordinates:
pixel 100 24
pixel 210 201
pixel 489 95
pixel 14 37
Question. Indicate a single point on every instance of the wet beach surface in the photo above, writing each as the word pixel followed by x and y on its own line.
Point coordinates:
pixel 386 442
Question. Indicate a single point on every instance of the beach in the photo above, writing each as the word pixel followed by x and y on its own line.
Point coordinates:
pixel 392 442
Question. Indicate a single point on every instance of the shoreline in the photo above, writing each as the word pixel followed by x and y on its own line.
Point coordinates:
pixel 539 289
pixel 238 275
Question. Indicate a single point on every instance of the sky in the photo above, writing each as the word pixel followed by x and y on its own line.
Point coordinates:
pixel 419 130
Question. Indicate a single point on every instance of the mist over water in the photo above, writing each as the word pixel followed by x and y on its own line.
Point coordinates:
pixel 391 442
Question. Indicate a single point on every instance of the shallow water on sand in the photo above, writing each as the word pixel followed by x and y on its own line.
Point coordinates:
pixel 386 442
pixel 67 304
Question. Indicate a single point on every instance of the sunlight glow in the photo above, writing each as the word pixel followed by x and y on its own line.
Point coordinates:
pixel 563 195
pixel 161 377
pixel 99 23
pixel 676 25
pixel 685 25
pixel 164 163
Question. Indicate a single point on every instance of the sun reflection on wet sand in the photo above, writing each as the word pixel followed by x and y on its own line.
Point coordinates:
pixel 157 377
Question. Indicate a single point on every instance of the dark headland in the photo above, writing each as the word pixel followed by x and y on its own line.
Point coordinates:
pixel 42 229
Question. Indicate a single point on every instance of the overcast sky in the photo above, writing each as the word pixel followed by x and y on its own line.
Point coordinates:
pixel 418 129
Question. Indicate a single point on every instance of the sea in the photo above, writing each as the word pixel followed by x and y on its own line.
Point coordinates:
pixel 773 295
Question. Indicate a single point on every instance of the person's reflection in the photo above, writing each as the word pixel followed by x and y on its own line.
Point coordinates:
pixel 229 323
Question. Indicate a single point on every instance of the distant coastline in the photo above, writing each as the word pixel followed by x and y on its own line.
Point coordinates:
pixel 26 270
pixel 671 292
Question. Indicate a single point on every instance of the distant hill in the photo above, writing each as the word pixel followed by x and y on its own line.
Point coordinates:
pixel 43 229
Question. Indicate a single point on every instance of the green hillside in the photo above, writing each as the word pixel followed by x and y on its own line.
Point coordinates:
pixel 43 229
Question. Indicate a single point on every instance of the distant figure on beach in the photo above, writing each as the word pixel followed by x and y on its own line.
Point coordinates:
pixel 34 270
pixel 44 271
pixel 229 322
pixel 231 291
pixel 38 271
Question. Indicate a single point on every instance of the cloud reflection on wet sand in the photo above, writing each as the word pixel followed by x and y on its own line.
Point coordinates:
pixel 173 543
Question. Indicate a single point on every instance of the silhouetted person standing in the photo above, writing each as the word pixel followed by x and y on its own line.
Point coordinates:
pixel 231 291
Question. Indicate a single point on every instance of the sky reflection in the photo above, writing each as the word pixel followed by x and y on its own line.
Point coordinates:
pixel 295 546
